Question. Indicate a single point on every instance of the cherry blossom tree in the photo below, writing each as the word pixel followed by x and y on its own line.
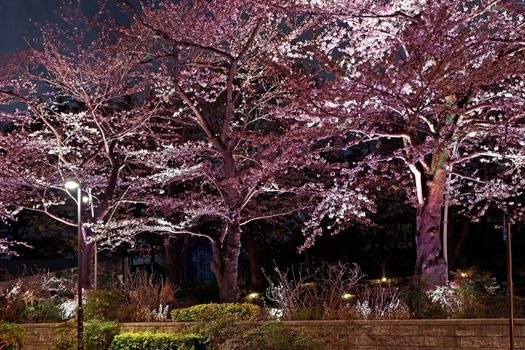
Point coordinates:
pixel 180 123
pixel 440 86
pixel 74 108
pixel 228 149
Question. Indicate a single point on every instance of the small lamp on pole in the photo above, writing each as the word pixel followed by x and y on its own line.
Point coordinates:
pixel 75 185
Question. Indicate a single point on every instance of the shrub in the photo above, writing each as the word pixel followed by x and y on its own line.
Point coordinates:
pixel 339 280
pixel 467 296
pixel 377 302
pixel 157 341
pixel 67 336
pixel 33 299
pixel 143 297
pixel 99 334
pixel 270 336
pixel 227 335
pixel 102 304
pixel 292 292
pixel 211 312
pixel 10 336
pixel 315 296
pixel 12 302
pixel 419 304
pixel 43 311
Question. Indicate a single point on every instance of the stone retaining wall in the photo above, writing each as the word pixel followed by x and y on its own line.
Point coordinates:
pixel 479 334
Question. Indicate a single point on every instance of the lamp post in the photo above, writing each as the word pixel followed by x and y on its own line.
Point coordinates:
pixel 508 236
pixel 74 185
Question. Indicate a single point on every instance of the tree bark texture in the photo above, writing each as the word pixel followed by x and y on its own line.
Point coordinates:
pixel 225 264
pixel 430 269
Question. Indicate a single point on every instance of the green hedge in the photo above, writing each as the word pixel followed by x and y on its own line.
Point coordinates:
pixel 157 341
pixel 98 335
pixel 212 312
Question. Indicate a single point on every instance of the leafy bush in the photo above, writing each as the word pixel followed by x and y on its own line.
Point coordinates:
pixel 467 296
pixel 102 304
pixel 211 312
pixel 419 304
pixel 223 334
pixel 99 334
pixel 33 299
pixel 43 311
pixel 67 339
pixel 270 336
pixel 10 336
pixel 157 341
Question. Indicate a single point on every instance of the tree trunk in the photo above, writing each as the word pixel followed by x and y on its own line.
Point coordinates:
pixel 225 260
pixel 430 264
pixel 225 263
pixel 257 280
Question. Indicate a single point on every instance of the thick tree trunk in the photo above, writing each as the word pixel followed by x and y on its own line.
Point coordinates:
pixel 225 264
pixel 430 269
pixel 225 261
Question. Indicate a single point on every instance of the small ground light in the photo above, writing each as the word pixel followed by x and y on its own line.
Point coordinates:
pixel 384 279
pixel 253 295
pixel 463 274
pixel 347 296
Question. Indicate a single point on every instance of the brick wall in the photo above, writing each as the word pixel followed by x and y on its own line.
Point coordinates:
pixel 479 334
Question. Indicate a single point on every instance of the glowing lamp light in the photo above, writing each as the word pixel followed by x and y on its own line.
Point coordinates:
pixel 72 184
pixel 384 279
pixel 463 274
pixel 85 199
pixel 253 295
pixel 347 296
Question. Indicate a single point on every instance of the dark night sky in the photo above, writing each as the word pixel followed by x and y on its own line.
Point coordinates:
pixel 15 24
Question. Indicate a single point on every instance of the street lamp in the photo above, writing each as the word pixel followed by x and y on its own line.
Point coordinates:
pixel 75 185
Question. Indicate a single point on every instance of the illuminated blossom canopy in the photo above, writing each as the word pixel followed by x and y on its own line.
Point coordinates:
pixel 201 117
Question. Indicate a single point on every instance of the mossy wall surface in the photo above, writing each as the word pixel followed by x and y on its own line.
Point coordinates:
pixel 478 334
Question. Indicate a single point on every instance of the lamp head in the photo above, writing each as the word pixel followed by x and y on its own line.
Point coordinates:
pixel 72 184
